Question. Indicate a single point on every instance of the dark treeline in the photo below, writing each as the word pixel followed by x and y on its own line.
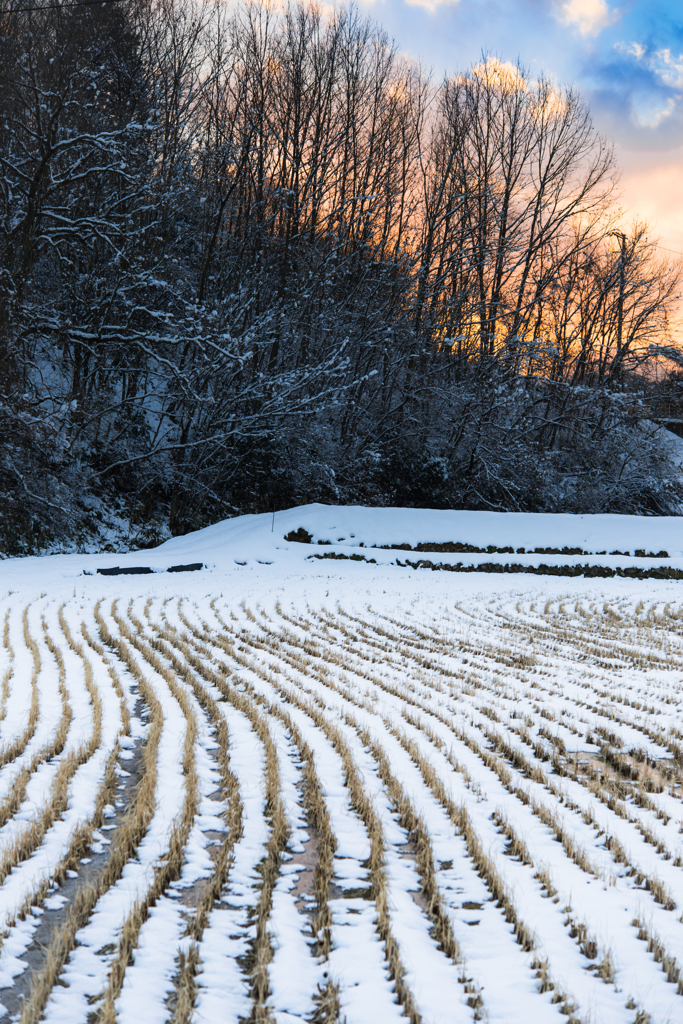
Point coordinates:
pixel 252 257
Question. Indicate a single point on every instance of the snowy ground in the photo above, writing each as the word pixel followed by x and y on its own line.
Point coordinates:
pixel 291 789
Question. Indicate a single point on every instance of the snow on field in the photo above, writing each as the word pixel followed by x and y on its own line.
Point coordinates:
pixel 298 789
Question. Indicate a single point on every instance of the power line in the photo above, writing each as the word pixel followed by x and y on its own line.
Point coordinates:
pixel 59 7
pixel 668 250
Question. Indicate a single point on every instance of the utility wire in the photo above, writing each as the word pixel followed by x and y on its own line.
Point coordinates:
pixel 668 250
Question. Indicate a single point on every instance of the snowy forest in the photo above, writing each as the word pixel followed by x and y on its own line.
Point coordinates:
pixel 254 256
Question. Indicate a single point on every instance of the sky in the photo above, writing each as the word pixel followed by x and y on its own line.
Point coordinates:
pixel 626 59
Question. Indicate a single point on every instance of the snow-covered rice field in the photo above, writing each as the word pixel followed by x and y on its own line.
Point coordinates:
pixel 284 789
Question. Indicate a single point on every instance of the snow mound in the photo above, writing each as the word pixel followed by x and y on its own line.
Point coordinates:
pixel 355 526
pixel 470 538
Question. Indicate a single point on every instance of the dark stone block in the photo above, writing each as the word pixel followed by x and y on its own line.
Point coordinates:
pixel 132 570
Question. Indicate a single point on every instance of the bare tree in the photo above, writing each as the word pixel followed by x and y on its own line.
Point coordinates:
pixel 526 178
pixel 251 255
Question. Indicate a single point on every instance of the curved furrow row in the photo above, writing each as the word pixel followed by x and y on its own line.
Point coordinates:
pixel 266 902
pixel 533 770
pixel 271 903
pixel 649 825
pixel 151 982
pixel 35 815
pixel 427 875
pixel 33 776
pixel 360 837
pixel 672 972
pixel 346 917
pixel 81 793
pixel 365 676
pixel 497 885
pixel 23 704
pixel 565 639
pixel 290 990
pixel 222 813
pixel 8 666
pixel 653 810
pixel 205 892
pixel 621 773
pixel 91 953
pixel 42 785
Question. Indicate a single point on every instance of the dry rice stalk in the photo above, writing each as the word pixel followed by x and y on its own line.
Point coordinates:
pixel 4 694
pixel 516 846
pixel 327 1005
pixel 313 798
pixel 417 833
pixel 170 868
pixel 359 801
pixel 17 747
pixel 670 966
pixel 29 839
pixel 123 847
pixel 116 684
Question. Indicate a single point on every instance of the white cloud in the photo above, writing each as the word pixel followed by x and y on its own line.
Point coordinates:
pixel 636 50
pixel 589 16
pixel 649 111
pixel 668 67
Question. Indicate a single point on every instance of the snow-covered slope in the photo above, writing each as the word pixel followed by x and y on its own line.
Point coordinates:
pixel 374 527
pixel 261 538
